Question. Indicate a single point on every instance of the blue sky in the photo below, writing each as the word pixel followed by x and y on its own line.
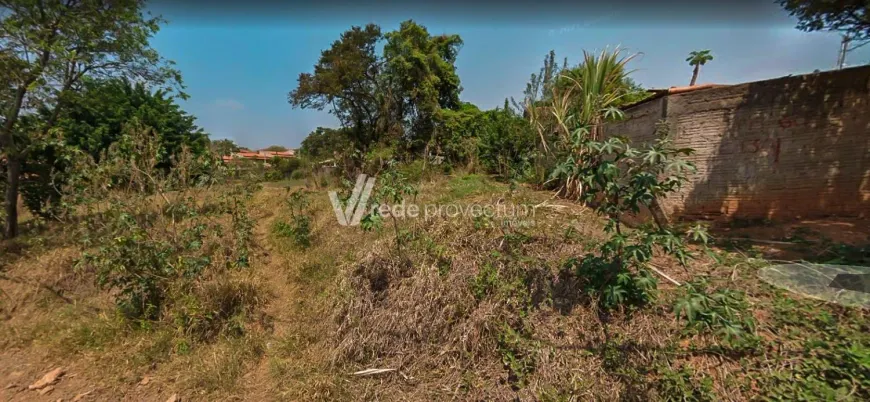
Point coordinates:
pixel 239 67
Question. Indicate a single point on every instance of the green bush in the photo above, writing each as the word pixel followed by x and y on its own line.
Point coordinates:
pixel 299 174
pixel 507 144
pixel 299 227
pixel 617 179
pixel 162 238
pixel 722 311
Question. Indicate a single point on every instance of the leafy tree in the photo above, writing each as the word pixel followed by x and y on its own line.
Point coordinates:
pixel 94 118
pixel 507 143
pixel 275 148
pixel 422 77
pixel 324 143
pixel 634 93
pixel 47 49
pixel 389 98
pixel 698 58
pixel 849 17
pixel 346 79
pixel 224 147
pixel 457 133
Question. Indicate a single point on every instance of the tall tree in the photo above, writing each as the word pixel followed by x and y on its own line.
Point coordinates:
pixel 346 79
pixel 697 59
pixel 47 48
pixel 324 143
pixel 275 148
pixel 389 97
pixel 851 18
pixel 224 147
pixel 95 116
pixel 422 75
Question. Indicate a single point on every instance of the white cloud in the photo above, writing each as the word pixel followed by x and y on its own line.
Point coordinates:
pixel 229 104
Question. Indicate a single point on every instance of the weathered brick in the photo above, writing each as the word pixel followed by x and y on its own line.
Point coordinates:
pixel 777 149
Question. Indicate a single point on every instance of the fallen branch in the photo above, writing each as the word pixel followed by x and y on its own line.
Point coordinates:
pixel 664 275
pixel 374 371
pixel 786 243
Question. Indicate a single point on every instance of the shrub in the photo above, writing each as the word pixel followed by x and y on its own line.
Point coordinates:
pixel 507 144
pixel 618 179
pixel 156 238
pixel 299 174
pixel 722 311
pixel 299 227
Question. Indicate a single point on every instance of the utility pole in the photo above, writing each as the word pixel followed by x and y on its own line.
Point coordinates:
pixel 844 47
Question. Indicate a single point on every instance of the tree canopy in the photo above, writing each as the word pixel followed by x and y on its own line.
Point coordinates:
pixel 849 17
pixel 224 147
pixel 48 47
pixel 95 116
pixel 390 97
pixel 323 142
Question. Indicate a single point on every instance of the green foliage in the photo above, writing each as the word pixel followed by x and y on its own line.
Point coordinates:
pixel 393 188
pixel 299 227
pixel 485 281
pixel 850 17
pixel 91 121
pixel 325 143
pixel 699 57
pixel 276 148
pixel 458 134
pixel 518 354
pixel 680 385
pixel 617 179
pixel 157 241
pixel 282 168
pixel 723 311
pixel 832 361
pixel 224 147
pixel 422 77
pixel 46 169
pixel 94 118
pixel 346 78
pixel 581 100
pixel 393 99
pixel 50 48
pixel 613 282
pixel 506 143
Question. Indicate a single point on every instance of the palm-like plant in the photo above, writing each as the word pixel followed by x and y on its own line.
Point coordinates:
pixel 590 95
pixel 697 59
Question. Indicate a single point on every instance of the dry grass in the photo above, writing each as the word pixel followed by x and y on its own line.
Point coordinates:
pixel 465 310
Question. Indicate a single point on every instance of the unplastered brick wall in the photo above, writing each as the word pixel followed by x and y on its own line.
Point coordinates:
pixel 792 147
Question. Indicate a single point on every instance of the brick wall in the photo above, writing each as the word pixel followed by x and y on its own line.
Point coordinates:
pixel 778 149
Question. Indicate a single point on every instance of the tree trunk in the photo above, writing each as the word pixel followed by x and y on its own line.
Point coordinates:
pixel 695 74
pixel 13 164
pixel 13 171
pixel 658 214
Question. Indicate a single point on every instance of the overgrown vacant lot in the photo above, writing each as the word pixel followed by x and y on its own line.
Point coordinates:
pixel 460 308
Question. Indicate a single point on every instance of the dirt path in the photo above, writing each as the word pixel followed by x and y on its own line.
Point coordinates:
pixel 287 316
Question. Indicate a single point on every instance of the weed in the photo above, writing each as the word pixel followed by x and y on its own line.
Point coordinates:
pixel 485 281
pixel 517 354
pixel 156 249
pixel 681 385
pixel 299 227
pixel 723 311
pixel 619 179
